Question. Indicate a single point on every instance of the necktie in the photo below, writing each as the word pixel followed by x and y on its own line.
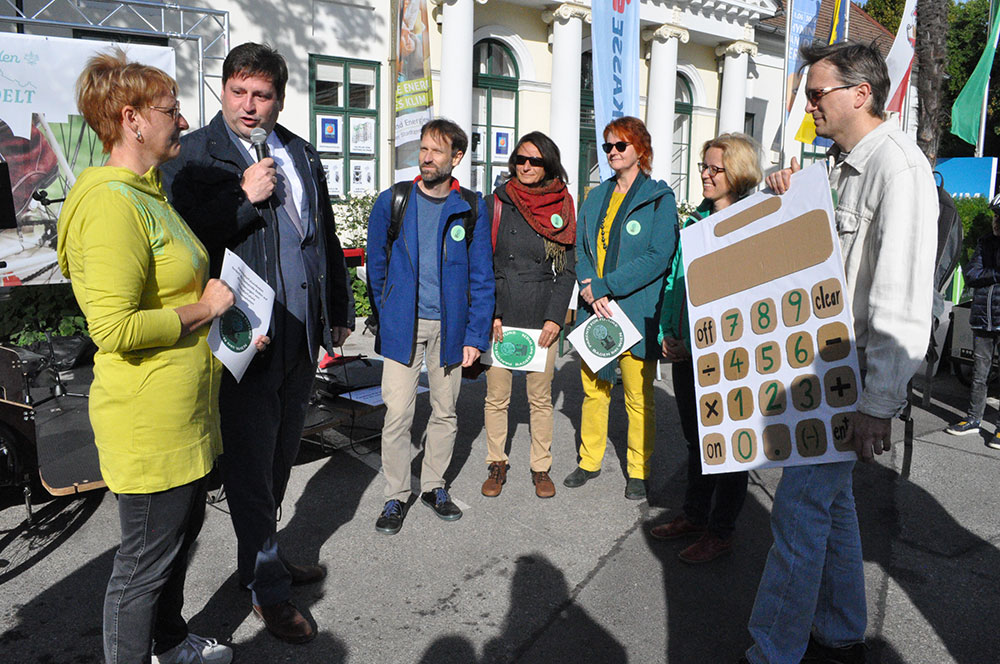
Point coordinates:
pixel 283 191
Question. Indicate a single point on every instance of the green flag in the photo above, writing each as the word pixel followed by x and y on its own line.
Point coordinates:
pixel 966 112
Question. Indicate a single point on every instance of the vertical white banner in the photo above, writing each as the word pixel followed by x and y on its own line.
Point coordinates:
pixel 615 41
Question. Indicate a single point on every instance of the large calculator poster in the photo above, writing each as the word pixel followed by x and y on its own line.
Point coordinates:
pixel 776 369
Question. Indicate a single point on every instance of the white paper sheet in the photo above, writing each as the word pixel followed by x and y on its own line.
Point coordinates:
pixel 601 340
pixel 772 338
pixel 231 336
pixel 519 350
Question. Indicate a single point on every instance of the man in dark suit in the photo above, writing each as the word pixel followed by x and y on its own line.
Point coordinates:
pixel 275 214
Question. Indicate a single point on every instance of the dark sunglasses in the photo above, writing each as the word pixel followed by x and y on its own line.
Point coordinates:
pixel 620 146
pixel 815 94
pixel 522 159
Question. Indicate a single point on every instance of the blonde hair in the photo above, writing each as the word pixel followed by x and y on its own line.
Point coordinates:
pixel 741 159
pixel 109 83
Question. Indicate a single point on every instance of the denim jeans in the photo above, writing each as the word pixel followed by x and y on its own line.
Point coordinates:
pixel 814 576
pixel 728 489
pixel 145 595
pixel 983 345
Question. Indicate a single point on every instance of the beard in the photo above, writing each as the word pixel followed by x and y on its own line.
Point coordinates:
pixel 433 176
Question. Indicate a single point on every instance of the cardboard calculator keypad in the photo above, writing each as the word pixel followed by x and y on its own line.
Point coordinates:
pixel 772 336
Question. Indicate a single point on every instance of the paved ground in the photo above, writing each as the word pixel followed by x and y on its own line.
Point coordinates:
pixel 572 579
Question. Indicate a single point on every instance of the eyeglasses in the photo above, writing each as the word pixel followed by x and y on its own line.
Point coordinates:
pixel 172 111
pixel 815 94
pixel 713 170
pixel 522 159
pixel 620 146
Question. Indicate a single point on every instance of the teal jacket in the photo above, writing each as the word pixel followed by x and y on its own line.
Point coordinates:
pixel 645 248
pixel 673 310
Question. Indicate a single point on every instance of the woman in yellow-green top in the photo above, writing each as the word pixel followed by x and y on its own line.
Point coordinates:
pixel 141 278
pixel 625 237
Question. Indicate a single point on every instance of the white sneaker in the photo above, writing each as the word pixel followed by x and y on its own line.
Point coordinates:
pixel 196 650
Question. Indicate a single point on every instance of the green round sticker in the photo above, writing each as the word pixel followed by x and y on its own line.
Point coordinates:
pixel 516 349
pixel 633 227
pixel 603 337
pixel 557 221
pixel 458 233
pixel 235 330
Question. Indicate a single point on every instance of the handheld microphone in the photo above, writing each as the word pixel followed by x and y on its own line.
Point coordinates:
pixel 259 139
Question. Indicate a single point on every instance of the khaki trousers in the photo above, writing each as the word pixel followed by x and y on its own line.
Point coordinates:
pixel 539 389
pixel 399 390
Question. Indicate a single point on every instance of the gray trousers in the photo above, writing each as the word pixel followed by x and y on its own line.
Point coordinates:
pixel 983 345
pixel 399 391
pixel 145 594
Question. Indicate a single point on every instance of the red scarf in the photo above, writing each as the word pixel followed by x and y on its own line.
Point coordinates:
pixel 547 208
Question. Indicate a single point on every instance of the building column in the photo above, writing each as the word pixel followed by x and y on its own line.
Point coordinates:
pixel 661 94
pixel 564 111
pixel 733 104
pixel 455 89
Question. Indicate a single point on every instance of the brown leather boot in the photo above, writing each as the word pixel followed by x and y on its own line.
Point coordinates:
pixel 285 622
pixel 544 488
pixel 498 477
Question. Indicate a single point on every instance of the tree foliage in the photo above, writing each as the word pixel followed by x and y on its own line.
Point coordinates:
pixel 967 33
pixel 887 12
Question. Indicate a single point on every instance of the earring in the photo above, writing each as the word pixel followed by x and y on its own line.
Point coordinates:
pixel 138 135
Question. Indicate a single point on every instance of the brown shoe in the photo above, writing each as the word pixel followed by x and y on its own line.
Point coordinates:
pixel 708 547
pixel 679 527
pixel 544 488
pixel 285 622
pixel 498 477
pixel 303 575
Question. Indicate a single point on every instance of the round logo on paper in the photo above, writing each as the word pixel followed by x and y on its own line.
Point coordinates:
pixel 458 233
pixel 604 337
pixel 516 349
pixel 557 221
pixel 235 330
pixel 633 227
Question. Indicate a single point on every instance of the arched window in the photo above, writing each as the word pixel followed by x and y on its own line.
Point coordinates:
pixel 680 161
pixel 494 112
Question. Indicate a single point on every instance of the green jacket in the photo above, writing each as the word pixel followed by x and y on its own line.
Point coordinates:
pixel 673 310
pixel 644 249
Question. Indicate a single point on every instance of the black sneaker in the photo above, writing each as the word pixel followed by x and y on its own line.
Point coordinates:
pixel 439 501
pixel 994 442
pixel 963 428
pixel 391 518
pixel 817 653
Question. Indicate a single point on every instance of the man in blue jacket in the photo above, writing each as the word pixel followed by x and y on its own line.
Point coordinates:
pixel 433 293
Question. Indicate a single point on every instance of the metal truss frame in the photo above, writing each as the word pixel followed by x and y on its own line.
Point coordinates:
pixel 208 28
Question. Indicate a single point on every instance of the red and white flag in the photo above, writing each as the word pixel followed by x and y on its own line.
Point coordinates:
pixel 900 58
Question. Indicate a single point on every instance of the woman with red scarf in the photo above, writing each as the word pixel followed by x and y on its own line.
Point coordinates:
pixel 533 260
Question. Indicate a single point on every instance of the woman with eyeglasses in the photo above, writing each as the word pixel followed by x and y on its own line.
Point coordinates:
pixel 534 232
pixel 626 235
pixel 730 170
pixel 141 278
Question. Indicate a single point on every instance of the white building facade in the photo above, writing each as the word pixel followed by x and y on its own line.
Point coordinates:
pixel 509 66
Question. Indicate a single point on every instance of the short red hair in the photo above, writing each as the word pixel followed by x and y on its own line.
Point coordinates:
pixel 633 130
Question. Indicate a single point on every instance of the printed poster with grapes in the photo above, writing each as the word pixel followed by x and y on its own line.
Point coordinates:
pixel 772 338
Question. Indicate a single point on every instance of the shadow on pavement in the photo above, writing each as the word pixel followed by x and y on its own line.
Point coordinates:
pixel 328 501
pixel 539 603
pixel 928 554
